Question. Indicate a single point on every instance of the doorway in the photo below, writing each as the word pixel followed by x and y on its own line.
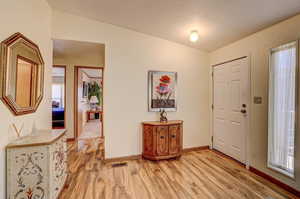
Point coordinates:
pixel 88 100
pixel 78 56
pixel 231 106
pixel 58 97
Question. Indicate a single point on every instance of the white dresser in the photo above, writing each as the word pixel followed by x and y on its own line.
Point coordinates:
pixel 37 165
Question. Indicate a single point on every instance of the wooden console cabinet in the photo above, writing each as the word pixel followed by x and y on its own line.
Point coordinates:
pixel 162 140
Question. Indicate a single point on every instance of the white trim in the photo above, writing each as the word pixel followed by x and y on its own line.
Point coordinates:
pixel 248 121
pixel 211 103
pixel 282 171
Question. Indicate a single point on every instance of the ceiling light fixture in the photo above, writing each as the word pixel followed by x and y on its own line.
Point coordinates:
pixel 194 36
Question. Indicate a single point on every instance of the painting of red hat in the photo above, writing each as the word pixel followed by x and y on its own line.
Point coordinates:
pixel 162 91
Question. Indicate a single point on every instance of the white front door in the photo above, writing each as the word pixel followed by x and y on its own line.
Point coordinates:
pixel 231 106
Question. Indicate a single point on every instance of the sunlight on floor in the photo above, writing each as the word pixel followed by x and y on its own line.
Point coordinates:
pixel 92 129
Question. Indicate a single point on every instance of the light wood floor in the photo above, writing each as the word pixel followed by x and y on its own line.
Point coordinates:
pixel 201 175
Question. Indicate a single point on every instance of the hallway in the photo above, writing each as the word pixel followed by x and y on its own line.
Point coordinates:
pixel 91 129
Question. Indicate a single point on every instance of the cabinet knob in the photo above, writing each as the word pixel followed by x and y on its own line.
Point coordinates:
pixel 173 136
pixel 162 137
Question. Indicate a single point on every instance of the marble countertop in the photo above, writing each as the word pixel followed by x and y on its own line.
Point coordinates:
pixel 41 137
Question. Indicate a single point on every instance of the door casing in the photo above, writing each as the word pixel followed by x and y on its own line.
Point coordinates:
pixel 75 99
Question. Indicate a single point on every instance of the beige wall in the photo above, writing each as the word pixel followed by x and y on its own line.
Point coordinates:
pixel 33 19
pixel 257 46
pixel 128 57
pixel 85 60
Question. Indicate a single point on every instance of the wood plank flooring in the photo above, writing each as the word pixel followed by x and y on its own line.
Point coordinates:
pixel 202 175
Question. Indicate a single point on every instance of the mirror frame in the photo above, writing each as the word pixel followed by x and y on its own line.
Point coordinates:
pixel 7 100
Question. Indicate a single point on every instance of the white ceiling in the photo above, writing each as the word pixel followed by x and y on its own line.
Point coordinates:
pixel 68 48
pixel 219 22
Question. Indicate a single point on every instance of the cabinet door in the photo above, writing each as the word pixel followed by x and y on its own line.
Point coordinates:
pixel 162 140
pixel 28 172
pixel 149 141
pixel 58 166
pixel 174 139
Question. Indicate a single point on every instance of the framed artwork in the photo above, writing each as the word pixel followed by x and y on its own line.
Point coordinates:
pixel 162 91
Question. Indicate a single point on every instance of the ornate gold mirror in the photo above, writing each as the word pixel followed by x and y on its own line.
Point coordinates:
pixel 21 74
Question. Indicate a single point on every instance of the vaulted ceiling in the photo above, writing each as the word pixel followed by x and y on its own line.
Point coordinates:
pixel 68 48
pixel 219 22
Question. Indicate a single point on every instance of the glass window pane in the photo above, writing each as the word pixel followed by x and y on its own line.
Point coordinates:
pixel 282 108
pixel 58 94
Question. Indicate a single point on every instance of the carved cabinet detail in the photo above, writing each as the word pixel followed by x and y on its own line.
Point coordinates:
pixel 148 140
pixel 162 147
pixel 36 166
pixel 162 140
pixel 174 139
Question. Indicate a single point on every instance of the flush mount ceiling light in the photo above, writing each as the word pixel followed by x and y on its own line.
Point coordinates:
pixel 194 36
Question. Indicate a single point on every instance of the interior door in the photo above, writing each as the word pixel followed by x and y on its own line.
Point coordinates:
pixel 230 110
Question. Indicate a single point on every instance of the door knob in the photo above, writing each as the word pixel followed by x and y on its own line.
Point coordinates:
pixel 243 111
